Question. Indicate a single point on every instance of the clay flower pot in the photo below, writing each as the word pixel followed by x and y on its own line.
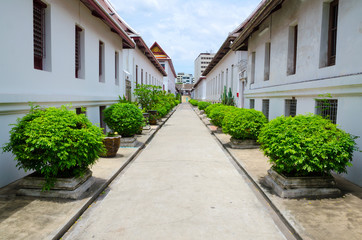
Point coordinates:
pixel 112 145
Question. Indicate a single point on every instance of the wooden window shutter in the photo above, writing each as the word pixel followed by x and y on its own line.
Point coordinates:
pixel 332 32
pixel 38 33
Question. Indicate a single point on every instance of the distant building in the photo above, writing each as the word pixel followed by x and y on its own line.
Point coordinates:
pixel 185 78
pixel 201 63
pixel 166 63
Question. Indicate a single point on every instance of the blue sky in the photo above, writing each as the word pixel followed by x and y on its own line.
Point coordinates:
pixel 184 28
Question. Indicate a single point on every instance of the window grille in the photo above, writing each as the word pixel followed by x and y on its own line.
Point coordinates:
pixel 77 50
pixel 327 108
pixel 265 108
pixel 251 103
pixel 38 33
pixel 290 107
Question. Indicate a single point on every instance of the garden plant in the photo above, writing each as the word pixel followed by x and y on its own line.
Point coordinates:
pixel 203 105
pixel 306 145
pixel 124 118
pixel 243 124
pixel 55 142
pixel 218 113
pixel 211 107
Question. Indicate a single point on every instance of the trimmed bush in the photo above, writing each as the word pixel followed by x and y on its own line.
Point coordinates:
pixel 243 123
pixel 218 113
pixel 193 102
pixel 124 118
pixel 211 107
pixel 55 142
pixel 203 105
pixel 306 145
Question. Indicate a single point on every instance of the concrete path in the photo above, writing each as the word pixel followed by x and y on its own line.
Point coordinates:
pixel 182 186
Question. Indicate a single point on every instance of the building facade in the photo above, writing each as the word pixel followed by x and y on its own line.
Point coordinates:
pixel 301 53
pixel 201 63
pixel 185 78
pixel 64 52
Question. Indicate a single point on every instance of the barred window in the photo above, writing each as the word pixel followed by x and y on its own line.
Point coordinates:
pixel 39 33
pixel 290 107
pixel 327 108
pixel 251 103
pixel 265 108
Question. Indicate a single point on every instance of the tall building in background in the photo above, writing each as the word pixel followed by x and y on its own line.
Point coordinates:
pixel 201 63
pixel 185 78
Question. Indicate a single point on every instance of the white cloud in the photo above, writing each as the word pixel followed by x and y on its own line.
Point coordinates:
pixel 184 28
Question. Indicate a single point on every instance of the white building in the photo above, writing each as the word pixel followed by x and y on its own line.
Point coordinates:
pixel 298 50
pixel 201 63
pixel 61 52
pixel 185 78
pixel 221 72
pixel 166 63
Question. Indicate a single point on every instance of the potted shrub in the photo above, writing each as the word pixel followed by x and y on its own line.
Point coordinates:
pixel 218 113
pixel 211 107
pixel 244 126
pixel 202 106
pixel 56 143
pixel 125 119
pixel 303 151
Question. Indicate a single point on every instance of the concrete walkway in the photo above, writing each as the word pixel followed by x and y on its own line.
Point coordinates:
pixel 182 186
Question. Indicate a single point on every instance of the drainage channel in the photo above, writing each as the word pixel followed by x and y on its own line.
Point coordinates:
pixel 99 193
pixel 282 223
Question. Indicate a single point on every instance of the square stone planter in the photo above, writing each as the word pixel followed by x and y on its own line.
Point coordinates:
pixel 128 141
pixel 243 144
pixel 112 145
pixel 300 187
pixel 68 188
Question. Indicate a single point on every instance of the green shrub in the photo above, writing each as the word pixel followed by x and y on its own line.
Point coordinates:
pixel 203 105
pixel 243 123
pixel 306 144
pixel 211 107
pixel 218 113
pixel 177 102
pixel 55 142
pixel 124 118
pixel 193 102
pixel 161 110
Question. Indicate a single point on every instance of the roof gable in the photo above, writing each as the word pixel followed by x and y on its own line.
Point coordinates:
pixel 158 51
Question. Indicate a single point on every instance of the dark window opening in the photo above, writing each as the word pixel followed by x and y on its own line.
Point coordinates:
pixel 290 107
pixel 39 33
pixel 78 31
pixel 101 118
pixel 332 32
pixel 327 108
pixel 265 108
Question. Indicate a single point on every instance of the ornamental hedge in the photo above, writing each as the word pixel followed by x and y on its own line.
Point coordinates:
pixel 211 107
pixel 203 105
pixel 55 142
pixel 193 102
pixel 306 145
pixel 124 118
pixel 243 123
pixel 218 113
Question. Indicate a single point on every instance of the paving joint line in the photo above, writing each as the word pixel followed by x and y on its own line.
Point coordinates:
pixel 76 216
pixel 257 190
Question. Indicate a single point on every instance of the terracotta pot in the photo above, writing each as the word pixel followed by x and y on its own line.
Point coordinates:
pixel 112 145
pixel 153 117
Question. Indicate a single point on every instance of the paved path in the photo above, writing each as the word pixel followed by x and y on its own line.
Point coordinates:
pixel 182 186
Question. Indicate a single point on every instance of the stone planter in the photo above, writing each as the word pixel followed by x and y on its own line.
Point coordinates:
pixel 243 144
pixel 112 145
pixel 300 187
pixel 128 142
pixel 69 188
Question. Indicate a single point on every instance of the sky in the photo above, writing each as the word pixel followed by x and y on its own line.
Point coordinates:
pixel 184 28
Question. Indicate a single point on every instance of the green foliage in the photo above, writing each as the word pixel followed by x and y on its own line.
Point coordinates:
pixel 306 144
pixel 144 96
pixel 55 142
pixel 218 113
pixel 193 102
pixel 227 98
pixel 124 118
pixel 211 107
pixel 203 105
pixel 243 123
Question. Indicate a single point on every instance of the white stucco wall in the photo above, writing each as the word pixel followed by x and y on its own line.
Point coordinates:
pixel 342 80
pixel 211 88
pixel 21 83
